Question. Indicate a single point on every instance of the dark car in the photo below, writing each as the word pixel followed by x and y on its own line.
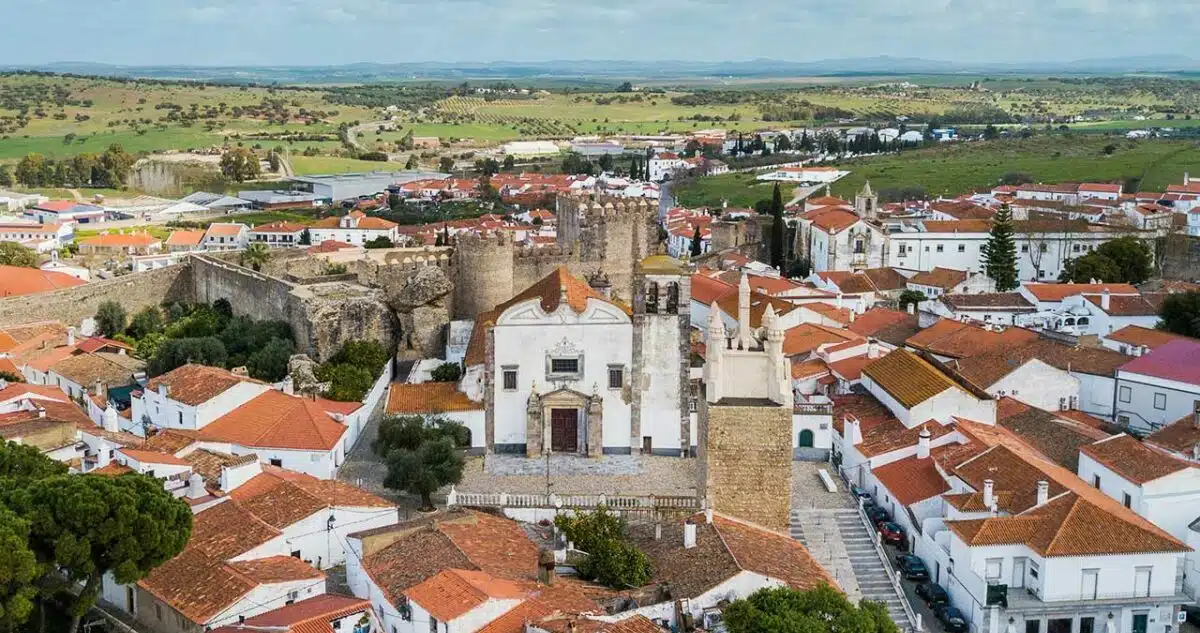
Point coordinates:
pixel 892 533
pixel 859 492
pixel 933 594
pixel 912 567
pixel 953 620
pixel 877 514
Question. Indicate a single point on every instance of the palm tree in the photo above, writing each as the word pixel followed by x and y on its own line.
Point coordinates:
pixel 255 255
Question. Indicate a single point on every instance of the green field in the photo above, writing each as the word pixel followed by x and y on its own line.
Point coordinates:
pixel 308 165
pixel 958 168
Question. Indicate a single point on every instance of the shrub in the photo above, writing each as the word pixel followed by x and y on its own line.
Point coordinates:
pixel 612 560
pixel 446 372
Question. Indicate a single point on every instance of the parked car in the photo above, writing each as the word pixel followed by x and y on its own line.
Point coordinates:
pixel 953 620
pixel 933 594
pixel 912 567
pixel 859 492
pixel 877 514
pixel 892 533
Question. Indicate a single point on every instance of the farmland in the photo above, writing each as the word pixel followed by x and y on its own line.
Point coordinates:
pixel 953 169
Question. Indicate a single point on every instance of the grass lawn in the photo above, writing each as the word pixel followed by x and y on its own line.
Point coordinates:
pixel 307 165
pixel 158 231
pixel 962 167
pixel 55 193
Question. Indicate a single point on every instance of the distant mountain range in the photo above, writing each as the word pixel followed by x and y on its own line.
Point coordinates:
pixel 605 70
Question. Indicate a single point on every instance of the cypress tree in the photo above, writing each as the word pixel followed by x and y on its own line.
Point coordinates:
pixel 777 228
pixel 697 245
pixel 999 254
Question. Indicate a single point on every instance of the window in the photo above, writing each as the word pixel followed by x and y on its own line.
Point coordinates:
pixel 1075 248
pixel 510 378
pixel 405 611
pixel 1033 626
pixel 672 298
pixel 1033 569
pixel 337 624
pixel 940 247
pixel 692 405
pixel 1125 394
pixel 1096 481
pixel 181 418
pixel 1087 625
pixel 1160 401
pixel 1123 420
pixel 993 569
pixel 278 463
pixel 903 250
pixel 1042 248
pixel 926 249
pixel 296 553
pixel 432 624
pixel 962 248
pixel 1126 499
pixel 616 376
pixel 652 298
pixel 158 611
pixel 1024 248
pixel 564 365
pixel 1141 581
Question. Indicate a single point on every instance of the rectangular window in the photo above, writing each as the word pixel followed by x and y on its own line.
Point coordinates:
pixel 1096 481
pixel 1075 248
pixel 181 418
pixel 1043 248
pixel 1087 625
pixel 994 567
pixel 1024 248
pixel 1160 401
pixel 510 378
pixel 1033 569
pixel 278 463
pixel 564 365
pixel 1125 394
pixel 432 624
pixel 1141 582
pixel 940 248
pixel 962 248
pixel 926 249
pixel 1033 626
pixel 616 376
pixel 1126 499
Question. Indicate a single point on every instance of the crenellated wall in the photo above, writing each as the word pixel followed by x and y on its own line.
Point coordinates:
pixel 134 292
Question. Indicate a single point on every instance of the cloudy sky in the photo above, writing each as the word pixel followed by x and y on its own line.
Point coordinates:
pixel 302 32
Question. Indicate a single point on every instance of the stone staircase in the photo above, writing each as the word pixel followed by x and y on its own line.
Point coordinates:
pixel 839 541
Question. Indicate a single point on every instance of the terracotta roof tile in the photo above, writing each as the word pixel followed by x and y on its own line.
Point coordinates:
pixel 1005 301
pixel 1058 292
pixel 808 369
pixel 18 280
pixel 151 457
pixel 300 617
pixel 758 306
pixel 195 384
pixel 170 440
pixel 1181 436
pixel 851 368
pixel 876 319
pixel 911 479
pixel 274 419
pixel 939 277
pixel 197 585
pixel 185 238
pixel 120 240
pixel 276 569
pixel 848 282
pixel 908 378
pixel 428 398
pixel 455 592
pixel 886 278
pixel 807 337
pixel 229 529
pixel 956 339
pixel 1124 306
pixel 550 290
pixel 1133 460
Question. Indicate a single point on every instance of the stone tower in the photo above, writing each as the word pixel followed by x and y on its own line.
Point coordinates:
pixel 660 385
pixel 866 203
pixel 608 233
pixel 745 421
pixel 483 273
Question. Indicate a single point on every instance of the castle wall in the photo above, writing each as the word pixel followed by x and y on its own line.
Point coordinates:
pixel 745 461
pixel 483 274
pixel 134 292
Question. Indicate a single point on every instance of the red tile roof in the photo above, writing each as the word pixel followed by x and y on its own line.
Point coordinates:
pixel 875 319
pixel 1129 458
pixel 1139 336
pixel 274 419
pixel 428 398
pixel 956 339
pixel 18 280
pixel 805 338
pixel 1181 436
pixel 195 384
pixel 185 238
pixel 911 479
pixel 945 278
pixel 1174 360
pixel 1058 292
pixel 151 457
pixel 311 615
pixel 907 377
pixel 456 592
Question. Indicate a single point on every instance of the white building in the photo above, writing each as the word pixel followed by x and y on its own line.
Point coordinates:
pixel 355 228
pixel 562 367
pixel 281 234
pixel 41 238
pixel 1001 308
pixel 813 175
pixel 222 236
pixel 1159 388
pixel 662 165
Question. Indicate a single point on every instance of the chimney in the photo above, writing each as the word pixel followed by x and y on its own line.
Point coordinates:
pixel 71 336
pixel 1043 492
pixel 708 514
pixel 289 386
pixel 195 488
pixel 1187 180
pixel 1105 300
pixel 988 487
pixel 164 391
pixel 658 531
pixel 923 444
pixel 852 317
pixel 546 567
pixel 689 534
pixel 850 426
pixel 41 412
pixel 873 349
pixel 839 301
pixel 111 423
pixel 1196 416
pixel 912 308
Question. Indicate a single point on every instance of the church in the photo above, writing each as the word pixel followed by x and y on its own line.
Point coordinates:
pixel 564 368
pixel 837 237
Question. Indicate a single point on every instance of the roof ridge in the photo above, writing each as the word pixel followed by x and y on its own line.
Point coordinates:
pixel 1061 524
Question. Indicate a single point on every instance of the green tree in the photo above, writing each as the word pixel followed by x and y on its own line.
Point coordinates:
pixel 445 164
pixel 1181 314
pixel 347 383
pixel 87 526
pixel 146 322
pixel 240 164
pixel 380 242
pixel 110 318
pixel 1132 256
pixel 6 177
pixel 990 133
pixel 369 354
pixel 13 254
pixel 148 346
pixel 606 163
pixel 270 363
pixel 509 162
pixel 611 559
pixel 31 171
pixel 799 269
pixel 910 297
pixel 446 372
pixel 255 255
pixel 274 161
pixel 422 471
pixel 778 228
pixel 409 432
pixel 819 610
pixel 21 463
pixel 412 162
pixel 305 238
pixel 999 253
pixel 18 571
pixel 1090 266
pixel 697 246
pixel 178 352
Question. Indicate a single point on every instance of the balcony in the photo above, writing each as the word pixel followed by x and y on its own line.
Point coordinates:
pixel 1024 600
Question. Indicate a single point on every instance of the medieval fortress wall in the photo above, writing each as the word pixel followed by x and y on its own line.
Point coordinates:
pixel 71 305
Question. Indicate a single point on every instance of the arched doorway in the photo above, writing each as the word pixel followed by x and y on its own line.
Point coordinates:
pixel 806 439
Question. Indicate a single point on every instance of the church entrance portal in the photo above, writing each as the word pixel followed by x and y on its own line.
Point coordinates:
pixel 564 430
